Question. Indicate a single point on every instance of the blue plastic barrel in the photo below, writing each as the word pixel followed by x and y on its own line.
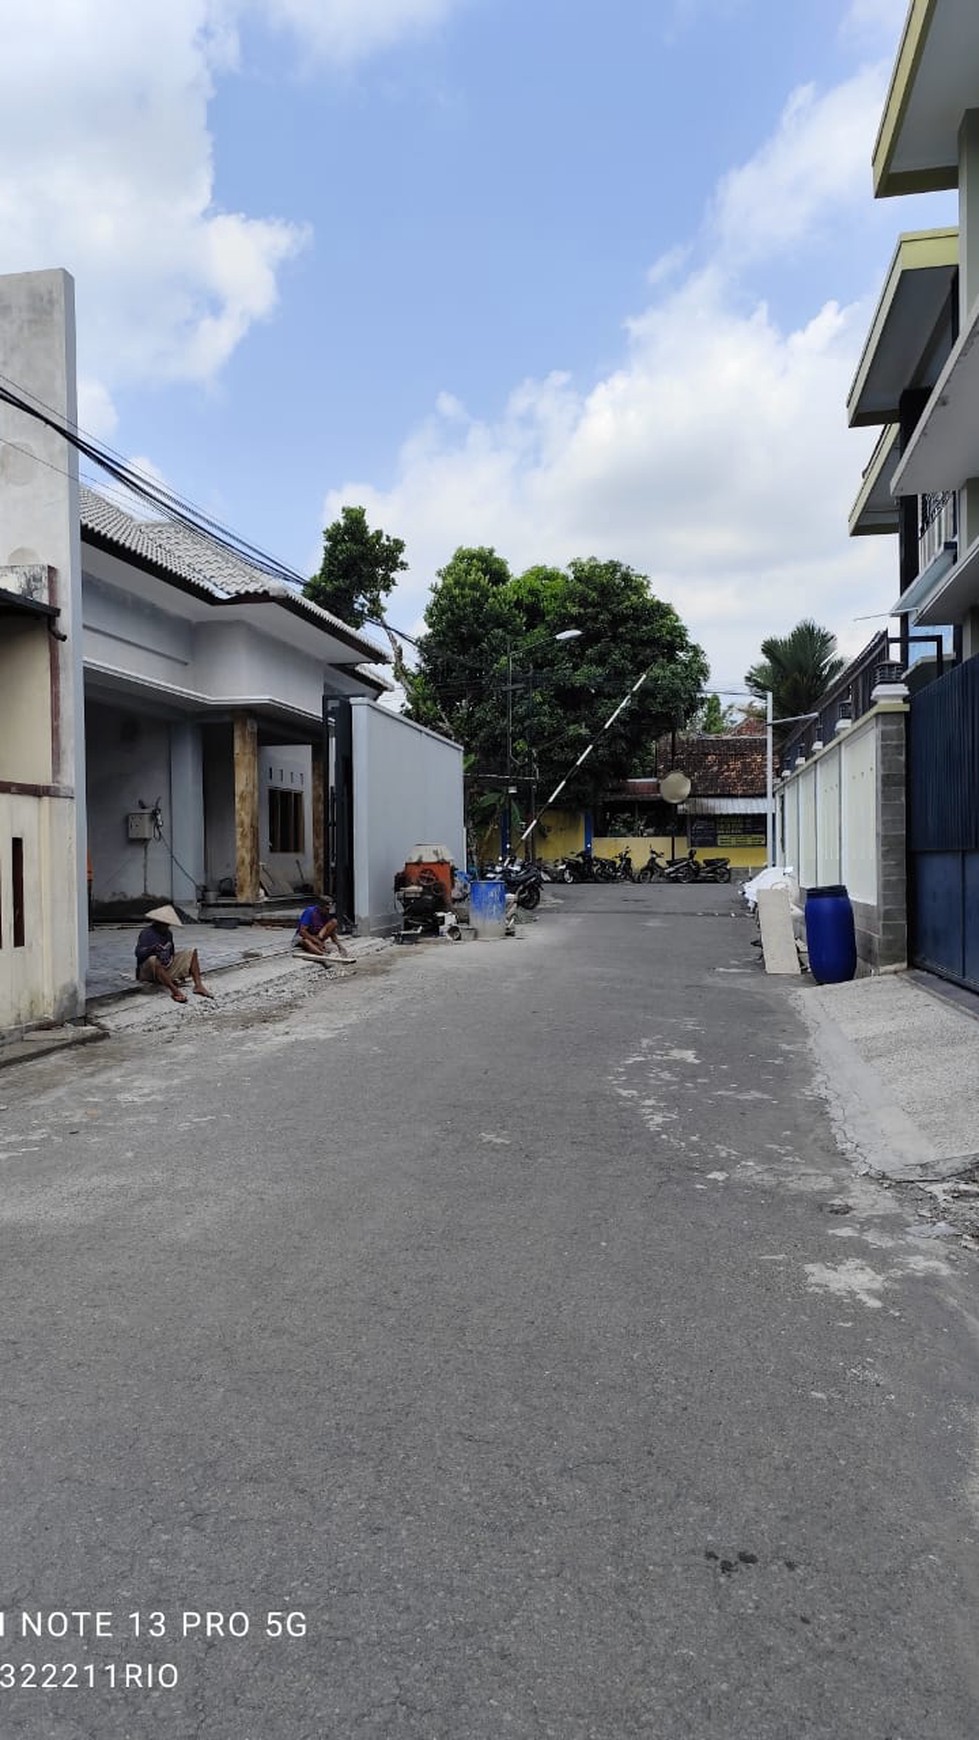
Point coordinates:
pixel 487 908
pixel 830 935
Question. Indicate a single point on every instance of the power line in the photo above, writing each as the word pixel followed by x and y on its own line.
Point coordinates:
pixel 166 501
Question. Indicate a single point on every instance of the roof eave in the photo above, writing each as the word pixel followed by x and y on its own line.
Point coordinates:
pixel 113 547
pixel 935 251
pixel 875 511
pixel 887 183
pixel 297 605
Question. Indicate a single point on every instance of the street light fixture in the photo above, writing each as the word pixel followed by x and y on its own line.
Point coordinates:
pixel 637 685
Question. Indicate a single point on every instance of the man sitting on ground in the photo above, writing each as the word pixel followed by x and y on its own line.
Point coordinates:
pixel 317 928
pixel 159 962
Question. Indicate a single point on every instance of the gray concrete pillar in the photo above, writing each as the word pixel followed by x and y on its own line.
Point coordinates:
pixel 186 812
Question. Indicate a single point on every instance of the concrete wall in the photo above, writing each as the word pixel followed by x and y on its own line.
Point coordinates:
pixel 43 977
pixel 840 818
pixel 39 981
pixel 172 650
pixel 126 633
pixel 25 699
pixel 287 767
pixel 234 661
pixel 407 788
pixel 128 764
pixel 220 856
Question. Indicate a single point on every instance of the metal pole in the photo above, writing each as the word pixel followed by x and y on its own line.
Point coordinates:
pixel 508 809
pixel 769 778
pixel 585 753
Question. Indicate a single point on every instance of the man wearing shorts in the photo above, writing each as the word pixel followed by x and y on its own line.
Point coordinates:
pixel 159 962
pixel 317 928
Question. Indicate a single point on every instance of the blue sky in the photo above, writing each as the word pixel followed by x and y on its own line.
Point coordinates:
pixel 565 278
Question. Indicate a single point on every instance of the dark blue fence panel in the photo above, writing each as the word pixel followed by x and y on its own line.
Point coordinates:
pixel 943 825
pixel 970 911
pixel 943 764
pixel 938 933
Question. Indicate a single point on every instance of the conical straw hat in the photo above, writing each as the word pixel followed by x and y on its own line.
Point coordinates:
pixel 165 915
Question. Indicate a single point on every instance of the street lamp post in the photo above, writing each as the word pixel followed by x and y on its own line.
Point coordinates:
pixel 562 635
pixel 637 685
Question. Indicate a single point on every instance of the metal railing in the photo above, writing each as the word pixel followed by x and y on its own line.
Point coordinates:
pixel 938 525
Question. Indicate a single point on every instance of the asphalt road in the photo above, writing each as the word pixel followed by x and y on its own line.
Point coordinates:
pixel 508 1318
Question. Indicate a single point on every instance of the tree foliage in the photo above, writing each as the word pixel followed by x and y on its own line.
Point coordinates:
pixel 796 668
pixel 358 569
pixel 713 719
pixel 525 704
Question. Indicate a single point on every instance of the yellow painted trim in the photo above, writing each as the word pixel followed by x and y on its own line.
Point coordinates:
pixel 878 459
pixel 909 55
pixel 916 251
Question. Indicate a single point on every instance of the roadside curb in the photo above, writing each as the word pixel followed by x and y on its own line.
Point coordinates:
pixel 265 964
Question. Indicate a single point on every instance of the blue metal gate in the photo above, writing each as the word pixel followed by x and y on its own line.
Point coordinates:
pixel 943 826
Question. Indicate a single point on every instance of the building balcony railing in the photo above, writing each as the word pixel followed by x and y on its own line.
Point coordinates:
pixel 938 522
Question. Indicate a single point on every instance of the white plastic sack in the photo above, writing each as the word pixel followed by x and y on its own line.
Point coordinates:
pixel 773 876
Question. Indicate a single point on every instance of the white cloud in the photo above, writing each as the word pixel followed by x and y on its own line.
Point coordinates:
pixel 715 457
pixel 816 164
pixel 108 171
pixel 347 30
pixel 715 460
pixel 879 21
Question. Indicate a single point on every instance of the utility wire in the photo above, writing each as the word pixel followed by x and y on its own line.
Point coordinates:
pixel 165 500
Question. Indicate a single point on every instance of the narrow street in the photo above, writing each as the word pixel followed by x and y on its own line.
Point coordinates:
pixel 508 1317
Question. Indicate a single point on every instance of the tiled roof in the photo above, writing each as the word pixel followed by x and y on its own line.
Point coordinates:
pixel 192 557
pixel 718 765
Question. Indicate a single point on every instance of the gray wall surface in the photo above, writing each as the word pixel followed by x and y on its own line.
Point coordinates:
pixel 407 789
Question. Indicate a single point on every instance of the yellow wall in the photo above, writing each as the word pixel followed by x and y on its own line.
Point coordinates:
pixel 25 701
pixel 739 857
pixel 566 835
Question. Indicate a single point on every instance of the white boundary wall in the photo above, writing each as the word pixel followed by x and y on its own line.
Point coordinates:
pixel 829 811
pixel 408 788
pixel 840 820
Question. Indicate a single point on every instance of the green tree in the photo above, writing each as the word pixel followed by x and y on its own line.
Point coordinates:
pixel 526 704
pixel 796 668
pixel 713 719
pixel 358 569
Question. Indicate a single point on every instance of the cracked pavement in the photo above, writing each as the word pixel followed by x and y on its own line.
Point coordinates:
pixel 523 1314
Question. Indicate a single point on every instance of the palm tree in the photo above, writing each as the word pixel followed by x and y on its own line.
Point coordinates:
pixel 797 668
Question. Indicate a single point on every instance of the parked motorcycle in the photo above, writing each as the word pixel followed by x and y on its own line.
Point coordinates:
pixel 625 871
pixel 652 870
pixel 708 869
pixel 660 869
pixel 522 879
pixel 578 867
pixel 605 869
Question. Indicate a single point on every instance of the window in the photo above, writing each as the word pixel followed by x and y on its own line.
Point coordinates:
pixel 18 880
pixel 286 823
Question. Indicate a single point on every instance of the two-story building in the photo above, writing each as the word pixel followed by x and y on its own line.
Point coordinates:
pixel 918 380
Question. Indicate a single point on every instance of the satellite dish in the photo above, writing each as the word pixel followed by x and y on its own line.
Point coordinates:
pixel 675 787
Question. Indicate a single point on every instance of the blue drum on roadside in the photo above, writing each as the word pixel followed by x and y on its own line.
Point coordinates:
pixel 487 908
pixel 830 935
